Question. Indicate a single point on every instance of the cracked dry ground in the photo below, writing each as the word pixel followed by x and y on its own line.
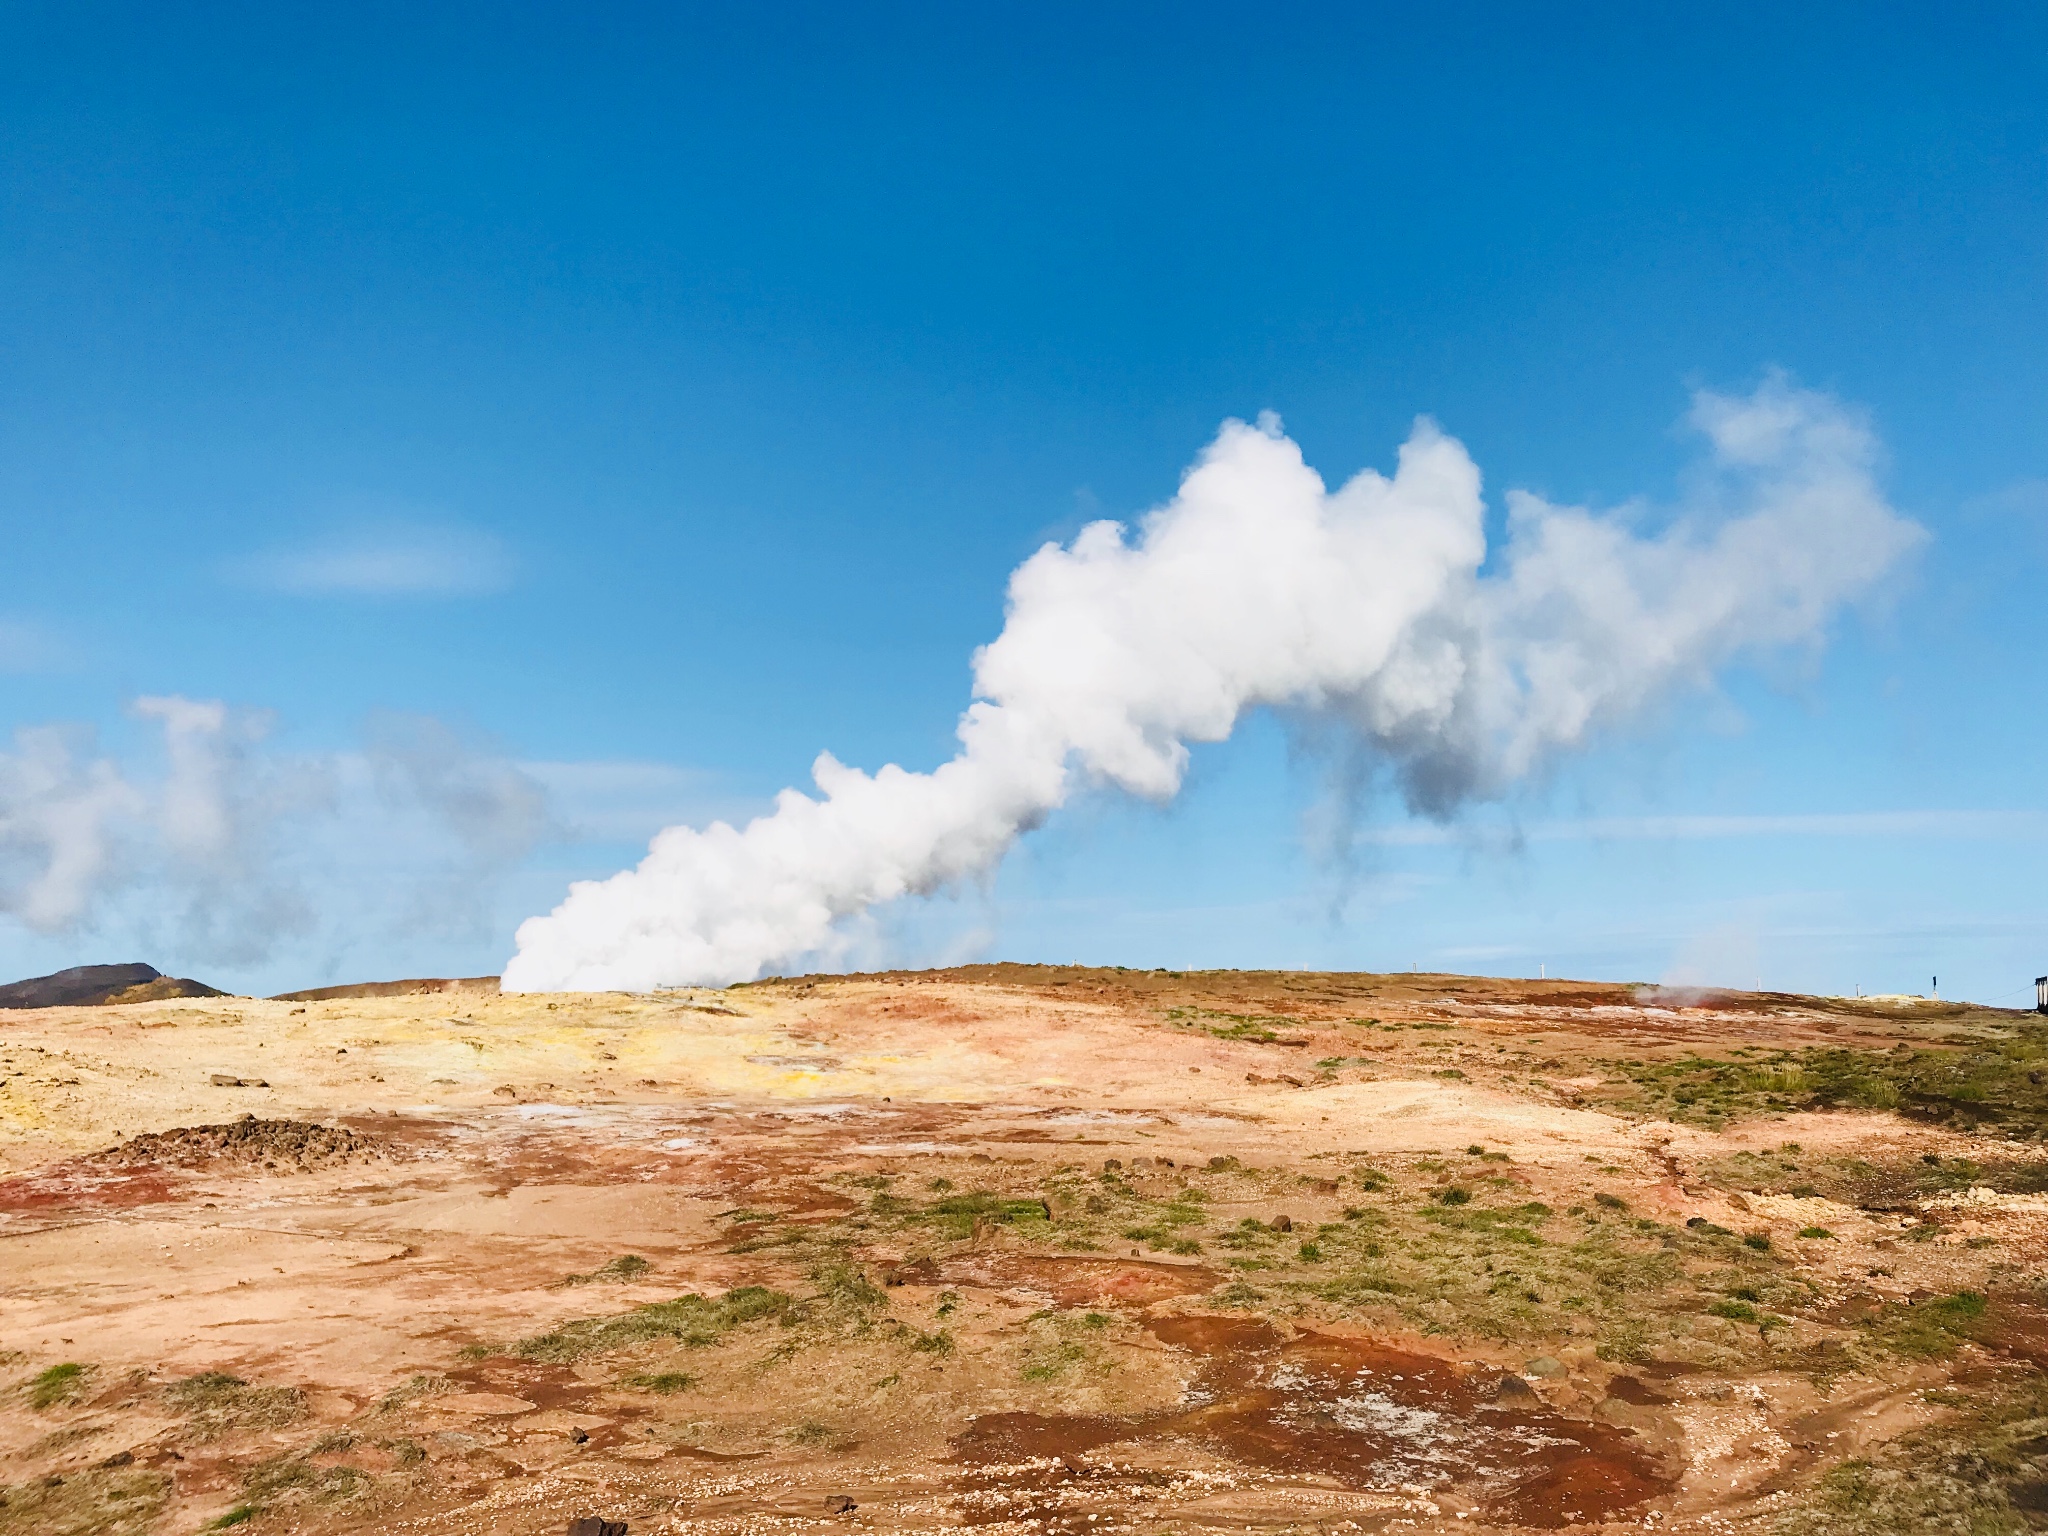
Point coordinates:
pixel 1025 1249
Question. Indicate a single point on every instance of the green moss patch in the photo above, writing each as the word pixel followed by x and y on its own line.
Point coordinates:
pixel 688 1319
pixel 1995 1079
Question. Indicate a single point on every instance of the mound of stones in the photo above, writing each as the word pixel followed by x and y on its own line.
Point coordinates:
pixel 279 1146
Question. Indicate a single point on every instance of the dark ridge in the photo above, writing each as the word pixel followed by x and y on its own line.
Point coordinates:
pixel 417 986
pixel 87 986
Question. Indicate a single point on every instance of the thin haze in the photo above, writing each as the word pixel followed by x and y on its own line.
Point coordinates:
pixel 1258 587
pixel 231 851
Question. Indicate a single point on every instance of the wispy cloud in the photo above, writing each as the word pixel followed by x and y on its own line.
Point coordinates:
pixel 629 801
pixel 26 647
pixel 387 560
pixel 2023 499
pixel 1924 823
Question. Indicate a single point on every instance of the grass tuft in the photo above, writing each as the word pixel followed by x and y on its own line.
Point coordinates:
pixel 219 1404
pixel 59 1384
pixel 666 1383
pixel 625 1268
pixel 94 1501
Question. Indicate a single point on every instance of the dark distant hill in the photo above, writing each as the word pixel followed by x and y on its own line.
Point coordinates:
pixel 416 987
pixel 91 985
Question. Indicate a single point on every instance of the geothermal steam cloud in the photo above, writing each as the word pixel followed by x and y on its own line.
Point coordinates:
pixel 1258 586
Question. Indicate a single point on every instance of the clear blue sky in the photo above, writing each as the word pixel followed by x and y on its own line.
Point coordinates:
pixel 658 396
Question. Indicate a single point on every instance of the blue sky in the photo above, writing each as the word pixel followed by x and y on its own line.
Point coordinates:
pixel 631 403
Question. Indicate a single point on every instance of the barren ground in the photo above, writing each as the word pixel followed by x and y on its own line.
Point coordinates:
pixel 1025 1249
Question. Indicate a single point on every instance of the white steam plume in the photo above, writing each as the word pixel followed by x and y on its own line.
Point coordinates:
pixel 1258 586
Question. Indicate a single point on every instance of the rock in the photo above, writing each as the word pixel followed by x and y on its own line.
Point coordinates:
pixel 839 1504
pixel 224 1080
pixel 1630 1390
pixel 1856 1307
pixel 1543 1365
pixel 1283 1223
pixel 590 1525
pixel 1112 1164
pixel 1512 1386
pixel 579 1437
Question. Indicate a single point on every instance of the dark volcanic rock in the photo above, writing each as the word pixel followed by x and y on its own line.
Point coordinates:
pixel 92 985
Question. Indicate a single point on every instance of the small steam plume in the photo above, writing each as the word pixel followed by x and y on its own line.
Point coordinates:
pixel 1257 586
pixel 225 848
